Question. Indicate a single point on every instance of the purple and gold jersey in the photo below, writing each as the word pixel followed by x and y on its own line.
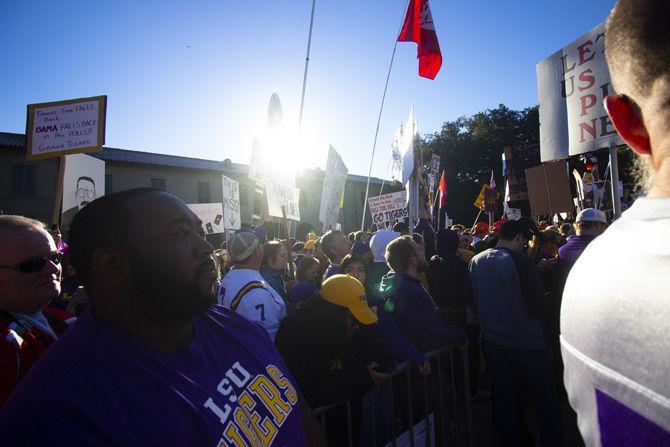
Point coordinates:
pixel 100 386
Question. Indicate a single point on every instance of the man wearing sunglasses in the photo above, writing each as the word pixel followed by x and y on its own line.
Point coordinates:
pixel 30 274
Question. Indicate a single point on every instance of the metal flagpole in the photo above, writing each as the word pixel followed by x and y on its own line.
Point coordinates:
pixel 614 181
pixel 304 79
pixel 379 118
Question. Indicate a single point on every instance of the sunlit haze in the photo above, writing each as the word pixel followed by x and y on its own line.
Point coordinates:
pixel 195 78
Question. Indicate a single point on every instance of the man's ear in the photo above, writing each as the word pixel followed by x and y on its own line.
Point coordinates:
pixel 627 119
pixel 110 265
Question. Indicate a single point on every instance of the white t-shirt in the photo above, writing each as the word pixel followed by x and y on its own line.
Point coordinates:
pixel 246 292
pixel 615 331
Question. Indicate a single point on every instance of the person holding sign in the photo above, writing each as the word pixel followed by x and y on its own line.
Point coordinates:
pixel 615 314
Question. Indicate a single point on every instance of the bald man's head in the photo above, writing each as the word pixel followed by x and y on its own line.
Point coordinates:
pixel 637 47
pixel 637 43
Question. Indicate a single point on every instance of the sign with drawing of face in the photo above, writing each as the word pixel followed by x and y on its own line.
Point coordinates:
pixel 83 182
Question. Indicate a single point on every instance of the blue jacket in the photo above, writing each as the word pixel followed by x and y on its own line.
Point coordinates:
pixel 409 319
pixel 274 278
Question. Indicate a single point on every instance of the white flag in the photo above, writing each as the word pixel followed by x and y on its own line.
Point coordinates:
pixel 403 150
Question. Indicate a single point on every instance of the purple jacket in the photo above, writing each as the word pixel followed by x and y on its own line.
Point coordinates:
pixel 574 247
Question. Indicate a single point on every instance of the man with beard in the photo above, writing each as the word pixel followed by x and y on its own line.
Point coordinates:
pixel 153 362
pixel 410 320
pixel 615 316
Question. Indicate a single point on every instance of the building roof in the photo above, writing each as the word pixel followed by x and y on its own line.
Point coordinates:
pixel 18 140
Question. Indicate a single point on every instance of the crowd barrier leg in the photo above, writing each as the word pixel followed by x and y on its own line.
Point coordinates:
pixel 426 411
pixel 466 394
pixel 411 409
pixel 393 427
pixel 443 416
pixel 454 396
pixel 322 419
pixel 350 435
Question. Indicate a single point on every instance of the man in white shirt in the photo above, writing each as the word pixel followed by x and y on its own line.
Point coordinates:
pixel 244 290
pixel 615 316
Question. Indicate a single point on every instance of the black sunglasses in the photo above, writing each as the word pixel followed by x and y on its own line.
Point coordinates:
pixel 35 264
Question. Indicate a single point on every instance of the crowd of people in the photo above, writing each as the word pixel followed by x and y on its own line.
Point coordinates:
pixel 137 331
pixel 341 310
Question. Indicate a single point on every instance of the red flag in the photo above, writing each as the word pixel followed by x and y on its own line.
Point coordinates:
pixel 443 189
pixel 419 28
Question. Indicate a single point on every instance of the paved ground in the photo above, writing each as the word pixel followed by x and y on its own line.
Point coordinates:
pixel 484 435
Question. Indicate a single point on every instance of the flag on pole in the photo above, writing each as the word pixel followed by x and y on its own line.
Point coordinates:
pixel 443 189
pixel 419 27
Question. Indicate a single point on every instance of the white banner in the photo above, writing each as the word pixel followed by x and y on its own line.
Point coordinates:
pixel 83 182
pixel 211 215
pixel 388 207
pixel 334 181
pixel 280 193
pixel 572 84
pixel 231 204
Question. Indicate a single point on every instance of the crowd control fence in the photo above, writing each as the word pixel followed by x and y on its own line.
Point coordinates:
pixel 410 409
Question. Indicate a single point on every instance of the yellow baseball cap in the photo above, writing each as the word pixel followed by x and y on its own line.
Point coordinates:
pixel 347 291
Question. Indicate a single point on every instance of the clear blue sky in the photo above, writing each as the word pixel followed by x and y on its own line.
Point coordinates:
pixel 194 78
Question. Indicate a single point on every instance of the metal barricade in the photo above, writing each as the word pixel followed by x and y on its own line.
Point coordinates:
pixel 462 412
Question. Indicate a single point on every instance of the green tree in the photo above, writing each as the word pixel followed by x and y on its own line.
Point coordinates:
pixel 470 147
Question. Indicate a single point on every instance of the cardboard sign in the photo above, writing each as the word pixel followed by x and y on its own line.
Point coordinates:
pixel 231 204
pixel 280 193
pixel 549 189
pixel 490 201
pixel 572 85
pixel 334 181
pixel 211 215
pixel 388 207
pixel 65 127
pixel 83 182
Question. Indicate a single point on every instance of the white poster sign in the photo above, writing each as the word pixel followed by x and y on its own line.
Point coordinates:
pixel 65 127
pixel 211 215
pixel 572 84
pixel 334 181
pixel 513 213
pixel 231 204
pixel 256 164
pixel 280 193
pixel 388 207
pixel 83 182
